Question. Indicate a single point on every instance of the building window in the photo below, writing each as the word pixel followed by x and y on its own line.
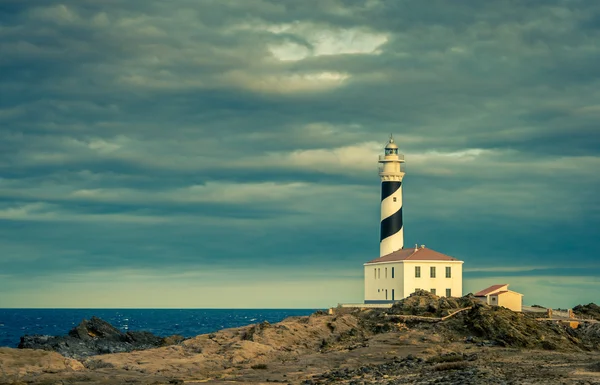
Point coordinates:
pixel 448 292
pixel 417 271
pixel 386 272
pixel 375 271
pixel 392 276
pixel 385 293
pixel 448 272
pixel 394 199
pixel 378 272
pixel 432 271
pixel 432 291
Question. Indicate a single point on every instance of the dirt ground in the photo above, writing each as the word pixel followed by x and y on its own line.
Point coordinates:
pixel 388 358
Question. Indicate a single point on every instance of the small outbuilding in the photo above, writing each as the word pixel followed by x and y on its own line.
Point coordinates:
pixel 499 295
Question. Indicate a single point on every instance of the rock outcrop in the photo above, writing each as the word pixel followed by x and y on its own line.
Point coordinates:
pixel 424 303
pixel 591 310
pixel 496 325
pixel 504 327
pixel 94 337
pixel 589 335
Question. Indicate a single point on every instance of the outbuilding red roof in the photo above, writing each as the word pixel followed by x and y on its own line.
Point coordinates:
pixel 490 289
pixel 414 254
pixel 507 291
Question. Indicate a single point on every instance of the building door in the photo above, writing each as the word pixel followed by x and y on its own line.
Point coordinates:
pixel 393 294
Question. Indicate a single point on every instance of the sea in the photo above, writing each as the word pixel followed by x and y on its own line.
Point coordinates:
pixel 15 323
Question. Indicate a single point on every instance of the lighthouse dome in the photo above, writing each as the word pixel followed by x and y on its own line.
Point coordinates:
pixel 391 144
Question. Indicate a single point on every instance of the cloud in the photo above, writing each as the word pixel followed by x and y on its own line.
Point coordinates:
pixel 287 83
pixel 247 132
pixel 304 40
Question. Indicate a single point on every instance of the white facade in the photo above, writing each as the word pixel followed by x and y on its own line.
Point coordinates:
pixel 395 280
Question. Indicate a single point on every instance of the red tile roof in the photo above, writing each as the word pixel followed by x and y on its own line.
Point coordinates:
pixel 412 254
pixel 489 290
pixel 507 291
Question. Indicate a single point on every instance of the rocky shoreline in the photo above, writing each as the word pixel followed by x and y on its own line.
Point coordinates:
pixel 95 337
pixel 481 345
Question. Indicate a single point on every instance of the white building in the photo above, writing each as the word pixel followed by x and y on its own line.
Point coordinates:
pixel 398 272
pixel 401 273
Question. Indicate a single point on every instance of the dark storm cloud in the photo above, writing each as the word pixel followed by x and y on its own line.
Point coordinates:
pixel 249 130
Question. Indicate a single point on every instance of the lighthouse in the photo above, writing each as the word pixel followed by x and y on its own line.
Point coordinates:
pixel 391 172
pixel 400 271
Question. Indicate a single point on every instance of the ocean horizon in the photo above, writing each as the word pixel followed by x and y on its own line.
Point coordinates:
pixel 16 322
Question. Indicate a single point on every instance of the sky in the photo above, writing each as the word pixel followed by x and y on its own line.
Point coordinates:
pixel 223 154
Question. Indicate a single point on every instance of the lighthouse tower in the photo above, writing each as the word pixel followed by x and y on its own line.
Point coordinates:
pixel 391 171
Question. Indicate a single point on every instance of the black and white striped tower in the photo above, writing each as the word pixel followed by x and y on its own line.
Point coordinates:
pixel 391 171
